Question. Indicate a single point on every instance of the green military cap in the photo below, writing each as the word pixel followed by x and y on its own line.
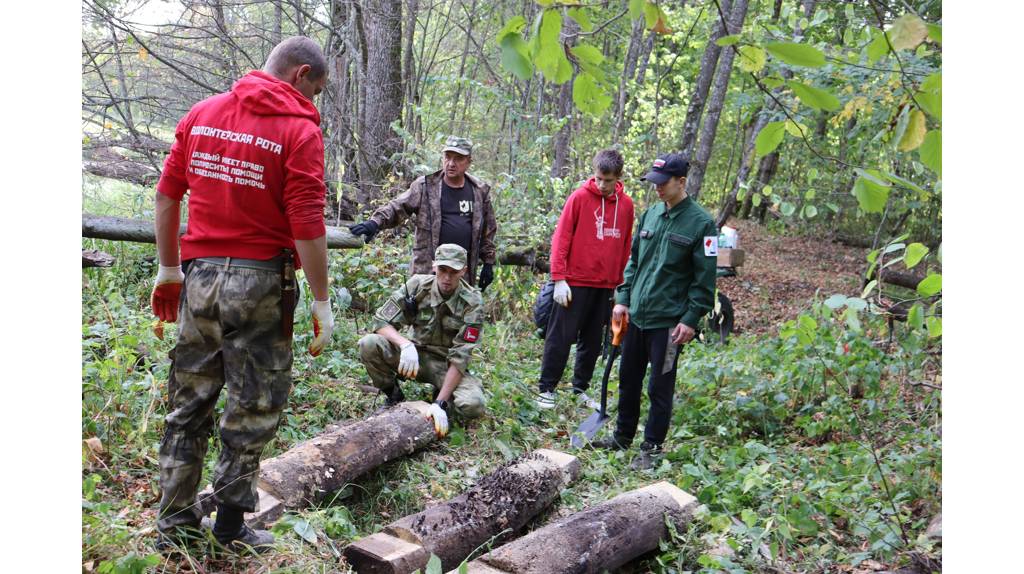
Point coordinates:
pixel 458 145
pixel 450 255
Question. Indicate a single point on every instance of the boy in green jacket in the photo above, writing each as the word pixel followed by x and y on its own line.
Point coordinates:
pixel 669 285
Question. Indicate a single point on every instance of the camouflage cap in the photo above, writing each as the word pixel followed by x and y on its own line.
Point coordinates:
pixel 450 255
pixel 458 145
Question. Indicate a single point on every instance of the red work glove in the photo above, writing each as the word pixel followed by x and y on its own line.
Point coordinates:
pixel 166 293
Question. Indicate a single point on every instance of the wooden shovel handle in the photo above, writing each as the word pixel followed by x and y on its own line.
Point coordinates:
pixel 619 328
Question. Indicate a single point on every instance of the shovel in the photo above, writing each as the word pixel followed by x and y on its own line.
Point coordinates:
pixel 588 428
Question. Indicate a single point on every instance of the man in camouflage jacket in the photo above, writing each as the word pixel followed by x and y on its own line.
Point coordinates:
pixel 450 206
pixel 447 322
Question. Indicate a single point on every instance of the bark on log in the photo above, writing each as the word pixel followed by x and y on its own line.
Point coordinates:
pixel 141 231
pixel 94 258
pixel 529 257
pixel 900 279
pixel 495 508
pixel 308 472
pixel 597 539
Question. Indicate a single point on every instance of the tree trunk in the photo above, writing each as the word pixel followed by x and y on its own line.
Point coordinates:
pixel 141 231
pixel 382 85
pixel 560 165
pixel 310 471
pixel 746 163
pixel 700 90
pixel 94 258
pixel 698 166
pixel 600 538
pixel 628 69
pixel 491 511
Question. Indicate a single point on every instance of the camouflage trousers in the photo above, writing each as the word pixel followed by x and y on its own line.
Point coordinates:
pixel 229 335
pixel 381 357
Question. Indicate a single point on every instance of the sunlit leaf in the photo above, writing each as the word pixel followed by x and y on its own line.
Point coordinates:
pixel 815 97
pixel 907 32
pixel 915 318
pixel 810 211
pixel 752 58
pixel 588 96
pixel 934 326
pixel 871 197
pixel 878 46
pixel 587 53
pixel 513 26
pixel 930 285
pixel 935 32
pixel 913 135
pixel 513 56
pixel 728 40
pixel 770 137
pixel 581 18
pixel 915 252
pixel 930 151
pixel 797 54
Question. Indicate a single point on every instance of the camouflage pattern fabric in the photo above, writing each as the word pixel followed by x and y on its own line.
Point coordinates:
pixel 381 357
pixel 423 201
pixel 229 335
pixel 445 331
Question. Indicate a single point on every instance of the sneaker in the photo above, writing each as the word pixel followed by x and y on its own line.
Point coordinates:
pixel 584 399
pixel 609 443
pixel 650 454
pixel 248 539
pixel 546 400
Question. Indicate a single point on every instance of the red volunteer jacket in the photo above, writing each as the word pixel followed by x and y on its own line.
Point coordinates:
pixel 252 160
pixel 591 243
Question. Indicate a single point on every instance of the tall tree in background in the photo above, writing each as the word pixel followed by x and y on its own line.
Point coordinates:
pixel 381 85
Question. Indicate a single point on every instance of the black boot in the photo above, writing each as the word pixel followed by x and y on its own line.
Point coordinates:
pixel 231 532
pixel 394 396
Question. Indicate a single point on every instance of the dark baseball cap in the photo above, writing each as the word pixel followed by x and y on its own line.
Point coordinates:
pixel 667 166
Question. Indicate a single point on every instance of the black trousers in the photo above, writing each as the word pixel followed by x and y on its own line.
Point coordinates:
pixel 641 347
pixel 582 323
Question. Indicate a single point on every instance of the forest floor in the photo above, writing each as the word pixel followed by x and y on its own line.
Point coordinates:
pixel 782 273
pixel 763 432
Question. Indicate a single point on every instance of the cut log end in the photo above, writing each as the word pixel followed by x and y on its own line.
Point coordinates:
pixel 384 553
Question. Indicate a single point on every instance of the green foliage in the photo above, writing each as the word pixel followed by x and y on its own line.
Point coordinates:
pixel 769 138
pixel 816 98
pixel 907 32
pixel 871 192
pixel 931 151
pixel 588 95
pixel 796 54
pixel 930 285
pixel 752 58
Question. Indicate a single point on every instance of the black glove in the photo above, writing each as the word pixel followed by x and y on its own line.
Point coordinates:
pixel 486 275
pixel 369 228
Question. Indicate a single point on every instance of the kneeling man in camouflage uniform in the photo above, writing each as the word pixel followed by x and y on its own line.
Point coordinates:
pixel 446 315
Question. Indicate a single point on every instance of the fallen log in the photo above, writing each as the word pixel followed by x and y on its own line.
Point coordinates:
pixel 900 279
pixel 310 471
pixel 529 257
pixel 94 258
pixel 141 231
pixel 492 510
pixel 597 539
pixel 105 162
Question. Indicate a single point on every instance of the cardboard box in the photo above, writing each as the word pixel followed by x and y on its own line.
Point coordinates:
pixel 731 257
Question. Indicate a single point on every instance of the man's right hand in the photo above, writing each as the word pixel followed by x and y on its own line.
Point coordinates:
pixel 166 293
pixel 368 229
pixel 620 312
pixel 409 363
pixel 563 294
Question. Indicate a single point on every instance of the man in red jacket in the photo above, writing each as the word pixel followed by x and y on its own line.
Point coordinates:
pixel 252 162
pixel 589 250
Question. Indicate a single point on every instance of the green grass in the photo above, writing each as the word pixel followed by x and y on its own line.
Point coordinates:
pixel 763 433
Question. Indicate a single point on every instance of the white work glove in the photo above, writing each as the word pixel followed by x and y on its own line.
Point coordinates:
pixel 323 326
pixel 563 295
pixel 440 420
pixel 409 363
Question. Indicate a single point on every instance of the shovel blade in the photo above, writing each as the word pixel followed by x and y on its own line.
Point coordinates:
pixel 588 429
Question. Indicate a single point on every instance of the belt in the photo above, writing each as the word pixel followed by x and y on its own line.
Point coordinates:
pixel 273 264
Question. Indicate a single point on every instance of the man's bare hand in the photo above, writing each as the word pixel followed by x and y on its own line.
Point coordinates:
pixel 682 334
pixel 620 312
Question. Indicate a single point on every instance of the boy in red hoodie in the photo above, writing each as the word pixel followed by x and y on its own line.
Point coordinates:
pixel 589 250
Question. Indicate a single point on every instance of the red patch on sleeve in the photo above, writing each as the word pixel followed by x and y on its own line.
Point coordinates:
pixel 471 334
pixel 707 242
